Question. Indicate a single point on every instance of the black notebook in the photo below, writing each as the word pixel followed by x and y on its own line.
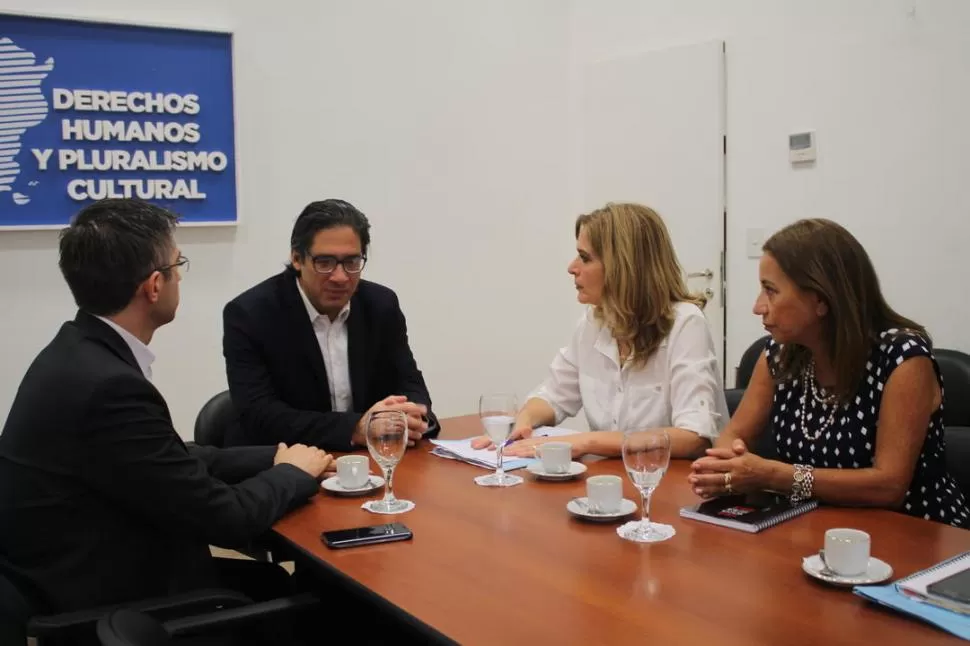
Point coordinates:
pixel 749 513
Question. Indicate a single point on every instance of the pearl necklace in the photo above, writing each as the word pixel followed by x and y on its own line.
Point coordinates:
pixel 811 383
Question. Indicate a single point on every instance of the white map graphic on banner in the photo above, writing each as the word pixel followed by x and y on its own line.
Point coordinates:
pixel 22 106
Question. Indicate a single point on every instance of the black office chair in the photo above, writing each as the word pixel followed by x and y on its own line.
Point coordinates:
pixel 14 613
pixel 211 424
pixel 743 373
pixel 955 368
pixel 748 362
pixel 733 397
pixel 22 623
pixel 126 627
pixel 215 418
pixel 765 444
pixel 130 628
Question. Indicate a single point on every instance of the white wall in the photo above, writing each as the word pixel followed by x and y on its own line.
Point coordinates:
pixel 444 121
pixel 883 83
pixel 450 123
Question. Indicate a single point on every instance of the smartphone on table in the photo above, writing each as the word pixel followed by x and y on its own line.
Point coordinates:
pixel 387 533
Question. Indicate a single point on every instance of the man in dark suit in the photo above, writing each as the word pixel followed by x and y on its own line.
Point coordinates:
pixel 311 351
pixel 100 500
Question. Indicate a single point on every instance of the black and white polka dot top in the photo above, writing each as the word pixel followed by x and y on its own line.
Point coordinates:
pixel 844 437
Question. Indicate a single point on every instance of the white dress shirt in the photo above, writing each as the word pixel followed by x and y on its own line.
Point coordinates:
pixel 679 386
pixel 332 338
pixel 143 356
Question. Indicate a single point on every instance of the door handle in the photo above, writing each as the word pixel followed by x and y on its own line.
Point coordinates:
pixel 707 273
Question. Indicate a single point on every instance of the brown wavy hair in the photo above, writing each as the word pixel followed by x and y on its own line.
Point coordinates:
pixel 821 256
pixel 642 278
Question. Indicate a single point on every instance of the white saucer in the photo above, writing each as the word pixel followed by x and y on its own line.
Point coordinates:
pixel 877 572
pixel 575 469
pixel 578 507
pixel 332 484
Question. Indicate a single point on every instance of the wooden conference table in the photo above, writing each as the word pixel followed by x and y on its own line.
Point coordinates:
pixel 511 566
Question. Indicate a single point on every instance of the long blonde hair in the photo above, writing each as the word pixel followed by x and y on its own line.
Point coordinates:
pixel 642 278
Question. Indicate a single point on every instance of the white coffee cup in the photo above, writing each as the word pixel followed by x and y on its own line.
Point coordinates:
pixel 352 471
pixel 604 493
pixel 555 456
pixel 846 551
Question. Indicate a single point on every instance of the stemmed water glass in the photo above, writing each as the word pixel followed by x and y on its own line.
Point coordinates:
pixel 387 439
pixel 646 456
pixel 497 413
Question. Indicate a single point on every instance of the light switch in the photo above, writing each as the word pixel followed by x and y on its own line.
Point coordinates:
pixel 754 241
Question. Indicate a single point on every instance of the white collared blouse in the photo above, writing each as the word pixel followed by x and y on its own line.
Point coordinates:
pixel 679 386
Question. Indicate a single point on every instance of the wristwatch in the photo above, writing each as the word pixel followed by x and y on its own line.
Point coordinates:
pixel 802 484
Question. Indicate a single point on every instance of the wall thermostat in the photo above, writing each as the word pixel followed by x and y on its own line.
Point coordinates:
pixel 801 147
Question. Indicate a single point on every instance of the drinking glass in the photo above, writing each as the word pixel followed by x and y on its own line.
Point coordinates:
pixel 387 439
pixel 646 456
pixel 497 412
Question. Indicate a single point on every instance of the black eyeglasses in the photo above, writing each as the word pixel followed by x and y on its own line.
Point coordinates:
pixel 182 263
pixel 324 264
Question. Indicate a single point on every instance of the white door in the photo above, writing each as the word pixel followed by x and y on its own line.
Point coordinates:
pixel 653 133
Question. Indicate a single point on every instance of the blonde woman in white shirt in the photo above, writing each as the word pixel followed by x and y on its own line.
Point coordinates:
pixel 642 356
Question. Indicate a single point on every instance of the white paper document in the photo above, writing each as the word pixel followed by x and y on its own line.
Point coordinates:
pixel 487 458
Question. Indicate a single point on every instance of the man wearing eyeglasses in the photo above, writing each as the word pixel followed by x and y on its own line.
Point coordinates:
pixel 101 502
pixel 309 352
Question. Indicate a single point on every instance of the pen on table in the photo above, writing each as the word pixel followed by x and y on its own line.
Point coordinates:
pixel 510 440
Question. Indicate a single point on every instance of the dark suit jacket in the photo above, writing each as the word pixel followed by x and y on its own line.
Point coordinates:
pixel 276 372
pixel 100 500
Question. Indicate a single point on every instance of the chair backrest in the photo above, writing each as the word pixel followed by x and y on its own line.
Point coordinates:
pixel 129 628
pixel 748 361
pixel 215 418
pixel 955 366
pixel 958 456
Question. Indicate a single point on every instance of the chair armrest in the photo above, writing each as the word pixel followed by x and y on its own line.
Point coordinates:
pixel 197 601
pixel 236 616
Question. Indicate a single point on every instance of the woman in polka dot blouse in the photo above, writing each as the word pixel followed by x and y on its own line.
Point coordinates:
pixel 848 389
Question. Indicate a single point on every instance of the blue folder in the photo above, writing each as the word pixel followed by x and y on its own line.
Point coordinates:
pixel 891 597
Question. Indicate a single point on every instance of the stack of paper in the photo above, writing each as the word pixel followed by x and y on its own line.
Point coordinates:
pixel 487 458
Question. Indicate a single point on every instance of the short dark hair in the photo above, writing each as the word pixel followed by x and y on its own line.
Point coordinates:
pixel 111 247
pixel 327 214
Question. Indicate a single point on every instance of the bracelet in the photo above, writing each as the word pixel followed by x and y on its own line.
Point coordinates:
pixel 802 484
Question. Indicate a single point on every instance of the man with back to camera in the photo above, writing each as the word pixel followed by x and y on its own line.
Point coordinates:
pixel 311 351
pixel 101 502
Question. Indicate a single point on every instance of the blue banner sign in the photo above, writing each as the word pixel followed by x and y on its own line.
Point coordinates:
pixel 93 110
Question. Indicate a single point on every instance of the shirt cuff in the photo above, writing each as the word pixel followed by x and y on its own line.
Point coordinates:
pixel 702 421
